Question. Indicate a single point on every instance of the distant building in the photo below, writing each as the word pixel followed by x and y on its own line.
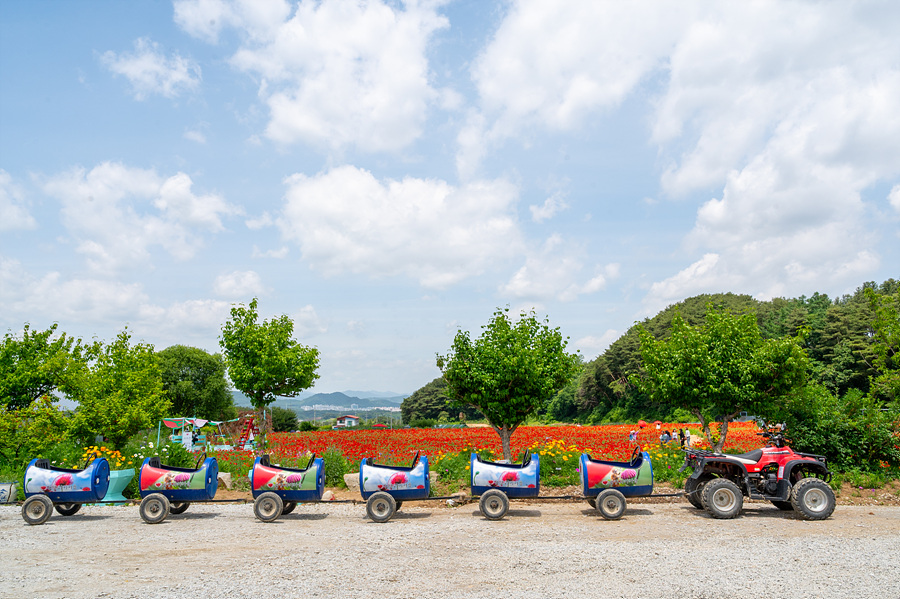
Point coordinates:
pixel 348 421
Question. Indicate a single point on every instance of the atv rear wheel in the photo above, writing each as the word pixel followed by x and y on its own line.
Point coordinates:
pixel 722 499
pixel 813 499
pixel 693 489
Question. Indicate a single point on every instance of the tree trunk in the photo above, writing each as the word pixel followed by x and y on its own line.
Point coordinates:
pixel 505 433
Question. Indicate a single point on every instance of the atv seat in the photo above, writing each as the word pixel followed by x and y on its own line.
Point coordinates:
pixel 754 455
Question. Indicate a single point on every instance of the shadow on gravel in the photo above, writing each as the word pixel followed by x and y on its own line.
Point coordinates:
pixel 410 516
pixel 304 517
pixel 193 516
pixel 513 513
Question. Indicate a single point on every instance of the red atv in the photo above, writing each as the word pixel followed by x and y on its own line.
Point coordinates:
pixel 777 473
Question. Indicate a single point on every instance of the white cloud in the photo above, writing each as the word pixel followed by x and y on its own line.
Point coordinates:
pixel 334 73
pixel 308 324
pixel 278 254
pixel 591 345
pixel 345 220
pixel 555 203
pixel 115 213
pixel 14 212
pixel 150 72
pixel 551 65
pixel 195 135
pixel 555 272
pixel 894 197
pixel 239 285
pixel 789 108
pixel 55 298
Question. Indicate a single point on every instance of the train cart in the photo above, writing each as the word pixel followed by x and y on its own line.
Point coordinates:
pixel 47 487
pixel 497 482
pixel 277 490
pixel 170 490
pixel 606 484
pixel 385 488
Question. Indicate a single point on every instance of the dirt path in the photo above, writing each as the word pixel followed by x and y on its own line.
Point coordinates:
pixel 542 549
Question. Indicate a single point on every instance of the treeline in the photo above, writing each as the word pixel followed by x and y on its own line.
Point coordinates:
pixel 837 335
pixel 119 387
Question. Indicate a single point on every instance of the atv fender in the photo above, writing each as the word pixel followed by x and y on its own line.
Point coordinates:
pixel 736 467
pixel 811 465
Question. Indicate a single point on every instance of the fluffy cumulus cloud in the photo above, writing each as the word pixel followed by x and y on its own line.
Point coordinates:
pixel 334 73
pixel 346 220
pixel 58 298
pixel 150 72
pixel 115 213
pixel 240 284
pixel 14 212
pixel 788 108
pixel 555 272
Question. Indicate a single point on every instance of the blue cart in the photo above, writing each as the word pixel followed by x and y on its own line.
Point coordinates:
pixel 496 482
pixel 47 487
pixel 385 488
pixel 277 490
pixel 606 484
pixel 170 490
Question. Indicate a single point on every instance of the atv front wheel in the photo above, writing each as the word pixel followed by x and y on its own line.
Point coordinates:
pixel 813 499
pixel 693 489
pixel 722 499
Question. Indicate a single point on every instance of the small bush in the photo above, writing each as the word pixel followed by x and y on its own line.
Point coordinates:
pixel 336 466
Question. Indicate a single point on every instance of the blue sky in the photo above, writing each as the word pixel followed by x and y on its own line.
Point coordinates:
pixel 388 172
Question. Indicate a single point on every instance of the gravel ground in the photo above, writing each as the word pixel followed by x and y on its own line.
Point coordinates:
pixel 540 550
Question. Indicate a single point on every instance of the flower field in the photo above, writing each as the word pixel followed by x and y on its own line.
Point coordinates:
pixel 610 442
pixel 448 449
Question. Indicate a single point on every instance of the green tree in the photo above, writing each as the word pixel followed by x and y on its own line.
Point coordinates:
pixel 119 393
pixel 263 360
pixel 194 381
pixel 720 368
pixel 509 372
pixel 283 419
pixel 429 401
pixel 35 365
pixel 886 337
pixel 30 431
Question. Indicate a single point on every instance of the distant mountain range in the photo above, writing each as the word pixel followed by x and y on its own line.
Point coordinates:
pixel 348 400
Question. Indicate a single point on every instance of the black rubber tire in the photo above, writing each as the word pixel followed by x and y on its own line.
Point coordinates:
pixel 611 504
pixel 154 508
pixel 288 507
pixel 722 499
pixel 784 506
pixel 399 503
pixel 693 489
pixel 67 509
pixel 494 504
pixel 380 507
pixel 813 499
pixel 178 508
pixel 37 509
pixel 268 507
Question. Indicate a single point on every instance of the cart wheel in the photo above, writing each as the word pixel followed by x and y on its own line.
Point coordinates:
pixel 178 507
pixel 288 507
pixel 399 503
pixel 611 504
pixel 37 509
pixel 268 507
pixel 380 507
pixel 67 509
pixel 154 508
pixel 494 504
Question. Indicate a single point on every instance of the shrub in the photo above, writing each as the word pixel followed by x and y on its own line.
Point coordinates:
pixel 336 466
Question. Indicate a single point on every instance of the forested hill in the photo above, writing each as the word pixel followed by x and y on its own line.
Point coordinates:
pixel 838 342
